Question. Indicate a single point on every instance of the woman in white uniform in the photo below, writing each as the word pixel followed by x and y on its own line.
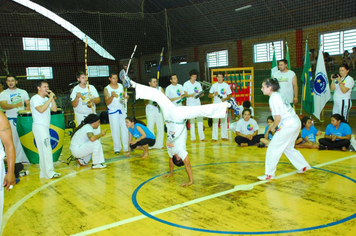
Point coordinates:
pixel 85 144
pixel 284 138
pixel 342 85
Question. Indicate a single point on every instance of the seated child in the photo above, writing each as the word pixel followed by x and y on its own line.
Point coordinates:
pixel 308 136
pixel 268 133
pixel 247 130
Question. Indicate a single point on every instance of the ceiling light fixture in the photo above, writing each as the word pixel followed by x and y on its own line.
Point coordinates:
pixel 242 8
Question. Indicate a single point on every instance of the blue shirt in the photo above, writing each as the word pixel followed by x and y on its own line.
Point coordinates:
pixel 270 135
pixel 343 130
pixel 137 134
pixel 310 133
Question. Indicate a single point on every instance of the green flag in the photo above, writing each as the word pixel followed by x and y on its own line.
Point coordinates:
pixel 287 56
pixel 274 62
pixel 307 79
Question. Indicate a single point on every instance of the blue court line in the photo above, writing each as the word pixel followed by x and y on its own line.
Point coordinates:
pixel 139 208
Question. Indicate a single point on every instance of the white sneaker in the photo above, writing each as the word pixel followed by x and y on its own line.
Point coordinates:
pixel 24 173
pixel 98 166
pixel 265 177
pixel 81 162
pixel 56 175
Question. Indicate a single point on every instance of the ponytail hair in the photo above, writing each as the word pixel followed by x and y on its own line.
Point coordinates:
pixel 90 119
pixel 272 82
pixel 134 120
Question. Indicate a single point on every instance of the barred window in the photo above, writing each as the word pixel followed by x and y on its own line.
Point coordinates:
pixel 98 71
pixel 217 58
pixel 263 52
pixel 39 73
pixel 335 43
pixel 36 44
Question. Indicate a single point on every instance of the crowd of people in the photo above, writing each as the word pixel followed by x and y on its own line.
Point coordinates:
pixel 284 133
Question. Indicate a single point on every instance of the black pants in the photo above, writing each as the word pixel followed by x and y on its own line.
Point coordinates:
pixel 337 144
pixel 142 142
pixel 256 139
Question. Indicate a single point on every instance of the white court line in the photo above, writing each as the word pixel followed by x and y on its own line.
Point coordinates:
pixel 175 207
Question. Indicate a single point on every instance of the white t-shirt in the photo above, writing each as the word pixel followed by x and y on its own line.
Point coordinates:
pixel 174 91
pixel 13 96
pixel 279 106
pixel 152 109
pixel 81 136
pixel 286 84
pixel 223 90
pixel 40 118
pixel 115 104
pixel 348 82
pixel 192 88
pixel 82 107
pixel 246 127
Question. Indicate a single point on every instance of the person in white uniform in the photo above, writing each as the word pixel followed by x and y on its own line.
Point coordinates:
pixel 220 92
pixel 13 100
pixel 115 97
pixel 342 84
pixel 86 145
pixel 84 99
pixel 174 91
pixel 284 138
pixel 193 91
pixel 41 107
pixel 287 81
pixel 7 181
pixel 175 118
pixel 154 116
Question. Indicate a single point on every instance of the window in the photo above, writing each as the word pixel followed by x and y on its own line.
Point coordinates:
pixel 217 58
pixel 263 52
pixel 39 73
pixel 149 65
pixel 180 60
pixel 36 44
pixel 336 43
pixel 98 71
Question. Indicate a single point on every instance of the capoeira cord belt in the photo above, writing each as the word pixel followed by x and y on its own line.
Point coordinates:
pixel 177 123
pixel 110 113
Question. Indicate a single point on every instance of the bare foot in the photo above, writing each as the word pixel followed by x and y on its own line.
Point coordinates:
pixel 186 184
pixel 192 141
pixel 344 148
pixel 243 144
pixel 225 139
pixel 202 140
pixel 144 155
pixel 214 140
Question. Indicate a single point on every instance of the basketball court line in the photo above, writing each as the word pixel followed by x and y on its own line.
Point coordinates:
pixel 198 200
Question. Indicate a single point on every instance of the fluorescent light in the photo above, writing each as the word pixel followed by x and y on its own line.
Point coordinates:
pixel 242 8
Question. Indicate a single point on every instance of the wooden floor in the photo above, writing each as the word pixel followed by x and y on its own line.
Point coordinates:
pixel 131 197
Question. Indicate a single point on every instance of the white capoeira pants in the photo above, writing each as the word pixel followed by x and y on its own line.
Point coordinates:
pixel 88 150
pixel 119 130
pixel 20 154
pixel 283 142
pixel 43 142
pixel 178 115
pixel 200 128
pixel 223 127
pixel 2 190
pixel 153 118
pixel 342 107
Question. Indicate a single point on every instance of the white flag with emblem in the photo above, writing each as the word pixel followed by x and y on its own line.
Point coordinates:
pixel 321 86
